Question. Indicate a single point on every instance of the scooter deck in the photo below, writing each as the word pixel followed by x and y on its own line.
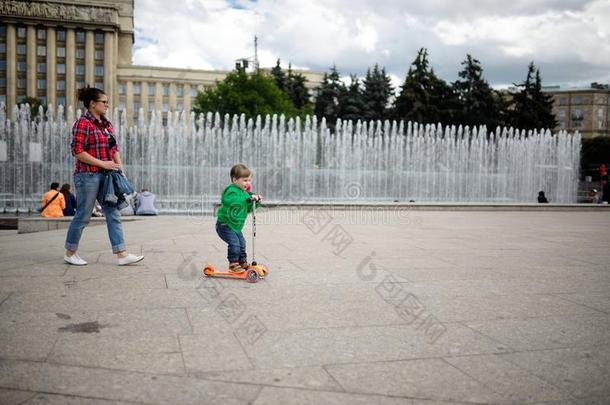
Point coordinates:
pixel 252 275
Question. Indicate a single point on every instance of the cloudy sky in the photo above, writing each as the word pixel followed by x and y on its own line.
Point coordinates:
pixel 568 39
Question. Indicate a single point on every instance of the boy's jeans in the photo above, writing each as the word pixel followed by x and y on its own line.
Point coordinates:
pixel 236 242
pixel 87 186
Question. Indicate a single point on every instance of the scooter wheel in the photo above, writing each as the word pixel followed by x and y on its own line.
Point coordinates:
pixel 252 276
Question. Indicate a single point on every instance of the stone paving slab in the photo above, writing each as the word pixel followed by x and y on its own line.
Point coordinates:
pixel 359 307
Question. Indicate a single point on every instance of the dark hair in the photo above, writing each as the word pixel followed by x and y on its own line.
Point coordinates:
pixel 54 185
pixel 541 193
pixel 65 189
pixel 240 171
pixel 89 94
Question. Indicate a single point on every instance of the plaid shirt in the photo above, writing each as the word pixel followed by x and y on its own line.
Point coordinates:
pixel 91 135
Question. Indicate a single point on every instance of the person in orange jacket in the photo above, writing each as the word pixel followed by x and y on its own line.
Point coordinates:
pixel 53 202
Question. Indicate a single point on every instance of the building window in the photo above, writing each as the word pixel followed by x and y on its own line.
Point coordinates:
pixel 80 84
pixel 99 70
pixel 61 85
pixel 80 36
pixel 193 91
pixel 99 37
pixel 563 101
pixel 562 125
pixel 61 101
pixel 2 67
pixel 165 107
pixel 3 48
pixel 41 51
pixel 41 33
pixel 61 52
pixel 136 106
pixel 577 99
pixel 561 113
pixel 61 68
pixel 21 83
pixel 99 54
pixel 180 107
pixel 61 35
pixel 166 89
pixel 42 100
pixel 41 67
pixel 21 66
pixel 2 82
pixel 152 89
pixel 99 85
pixel 122 105
pixel 41 84
pixel 136 88
pixel 179 90
pixel 80 69
pixel 121 88
pixel 80 53
pixel 21 32
pixel 21 49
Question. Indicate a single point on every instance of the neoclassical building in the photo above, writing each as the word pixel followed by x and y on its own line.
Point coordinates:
pixel 48 49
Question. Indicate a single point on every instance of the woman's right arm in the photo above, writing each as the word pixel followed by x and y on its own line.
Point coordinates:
pixel 90 160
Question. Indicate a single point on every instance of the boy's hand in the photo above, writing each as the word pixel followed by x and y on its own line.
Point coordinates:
pixel 256 197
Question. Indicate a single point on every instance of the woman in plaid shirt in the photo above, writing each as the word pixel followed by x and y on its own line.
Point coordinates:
pixel 96 151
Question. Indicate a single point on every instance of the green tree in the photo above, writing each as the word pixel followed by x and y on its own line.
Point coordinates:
pixel 327 101
pixel 424 97
pixel 376 94
pixel 351 101
pixel 242 93
pixel 478 104
pixel 530 107
pixel 278 75
pixel 296 89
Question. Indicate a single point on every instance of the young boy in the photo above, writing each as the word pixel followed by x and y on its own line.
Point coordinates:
pixel 235 204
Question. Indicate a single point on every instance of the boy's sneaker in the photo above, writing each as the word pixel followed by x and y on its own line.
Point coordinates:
pixel 74 260
pixel 129 259
pixel 235 268
pixel 244 265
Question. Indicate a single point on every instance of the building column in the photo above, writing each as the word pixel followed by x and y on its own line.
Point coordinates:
pixel 89 58
pixel 51 66
pixel 109 73
pixel 129 102
pixel 159 97
pixel 11 67
pixel 31 61
pixel 71 99
pixel 187 101
pixel 144 98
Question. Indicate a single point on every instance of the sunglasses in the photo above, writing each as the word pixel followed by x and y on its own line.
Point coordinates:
pixel 102 101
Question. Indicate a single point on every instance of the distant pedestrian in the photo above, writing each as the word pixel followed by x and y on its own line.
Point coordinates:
pixel 70 200
pixel 542 198
pixel 52 204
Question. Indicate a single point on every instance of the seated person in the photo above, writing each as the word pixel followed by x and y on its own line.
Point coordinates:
pixel 145 203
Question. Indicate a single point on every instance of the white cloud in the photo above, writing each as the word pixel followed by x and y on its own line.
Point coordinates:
pixel 568 39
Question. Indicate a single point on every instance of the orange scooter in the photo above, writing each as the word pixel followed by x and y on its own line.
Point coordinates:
pixel 255 271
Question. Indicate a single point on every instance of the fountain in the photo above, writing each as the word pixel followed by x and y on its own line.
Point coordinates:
pixel 186 161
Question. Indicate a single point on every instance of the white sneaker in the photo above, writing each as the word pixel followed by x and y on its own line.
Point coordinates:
pixel 129 259
pixel 74 260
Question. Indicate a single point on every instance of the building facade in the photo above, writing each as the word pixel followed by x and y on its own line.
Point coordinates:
pixel 586 110
pixel 49 49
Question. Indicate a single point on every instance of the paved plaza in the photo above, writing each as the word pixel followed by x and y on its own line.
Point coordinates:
pixel 359 307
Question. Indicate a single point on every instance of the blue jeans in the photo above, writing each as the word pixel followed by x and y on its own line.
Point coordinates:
pixel 87 187
pixel 235 240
